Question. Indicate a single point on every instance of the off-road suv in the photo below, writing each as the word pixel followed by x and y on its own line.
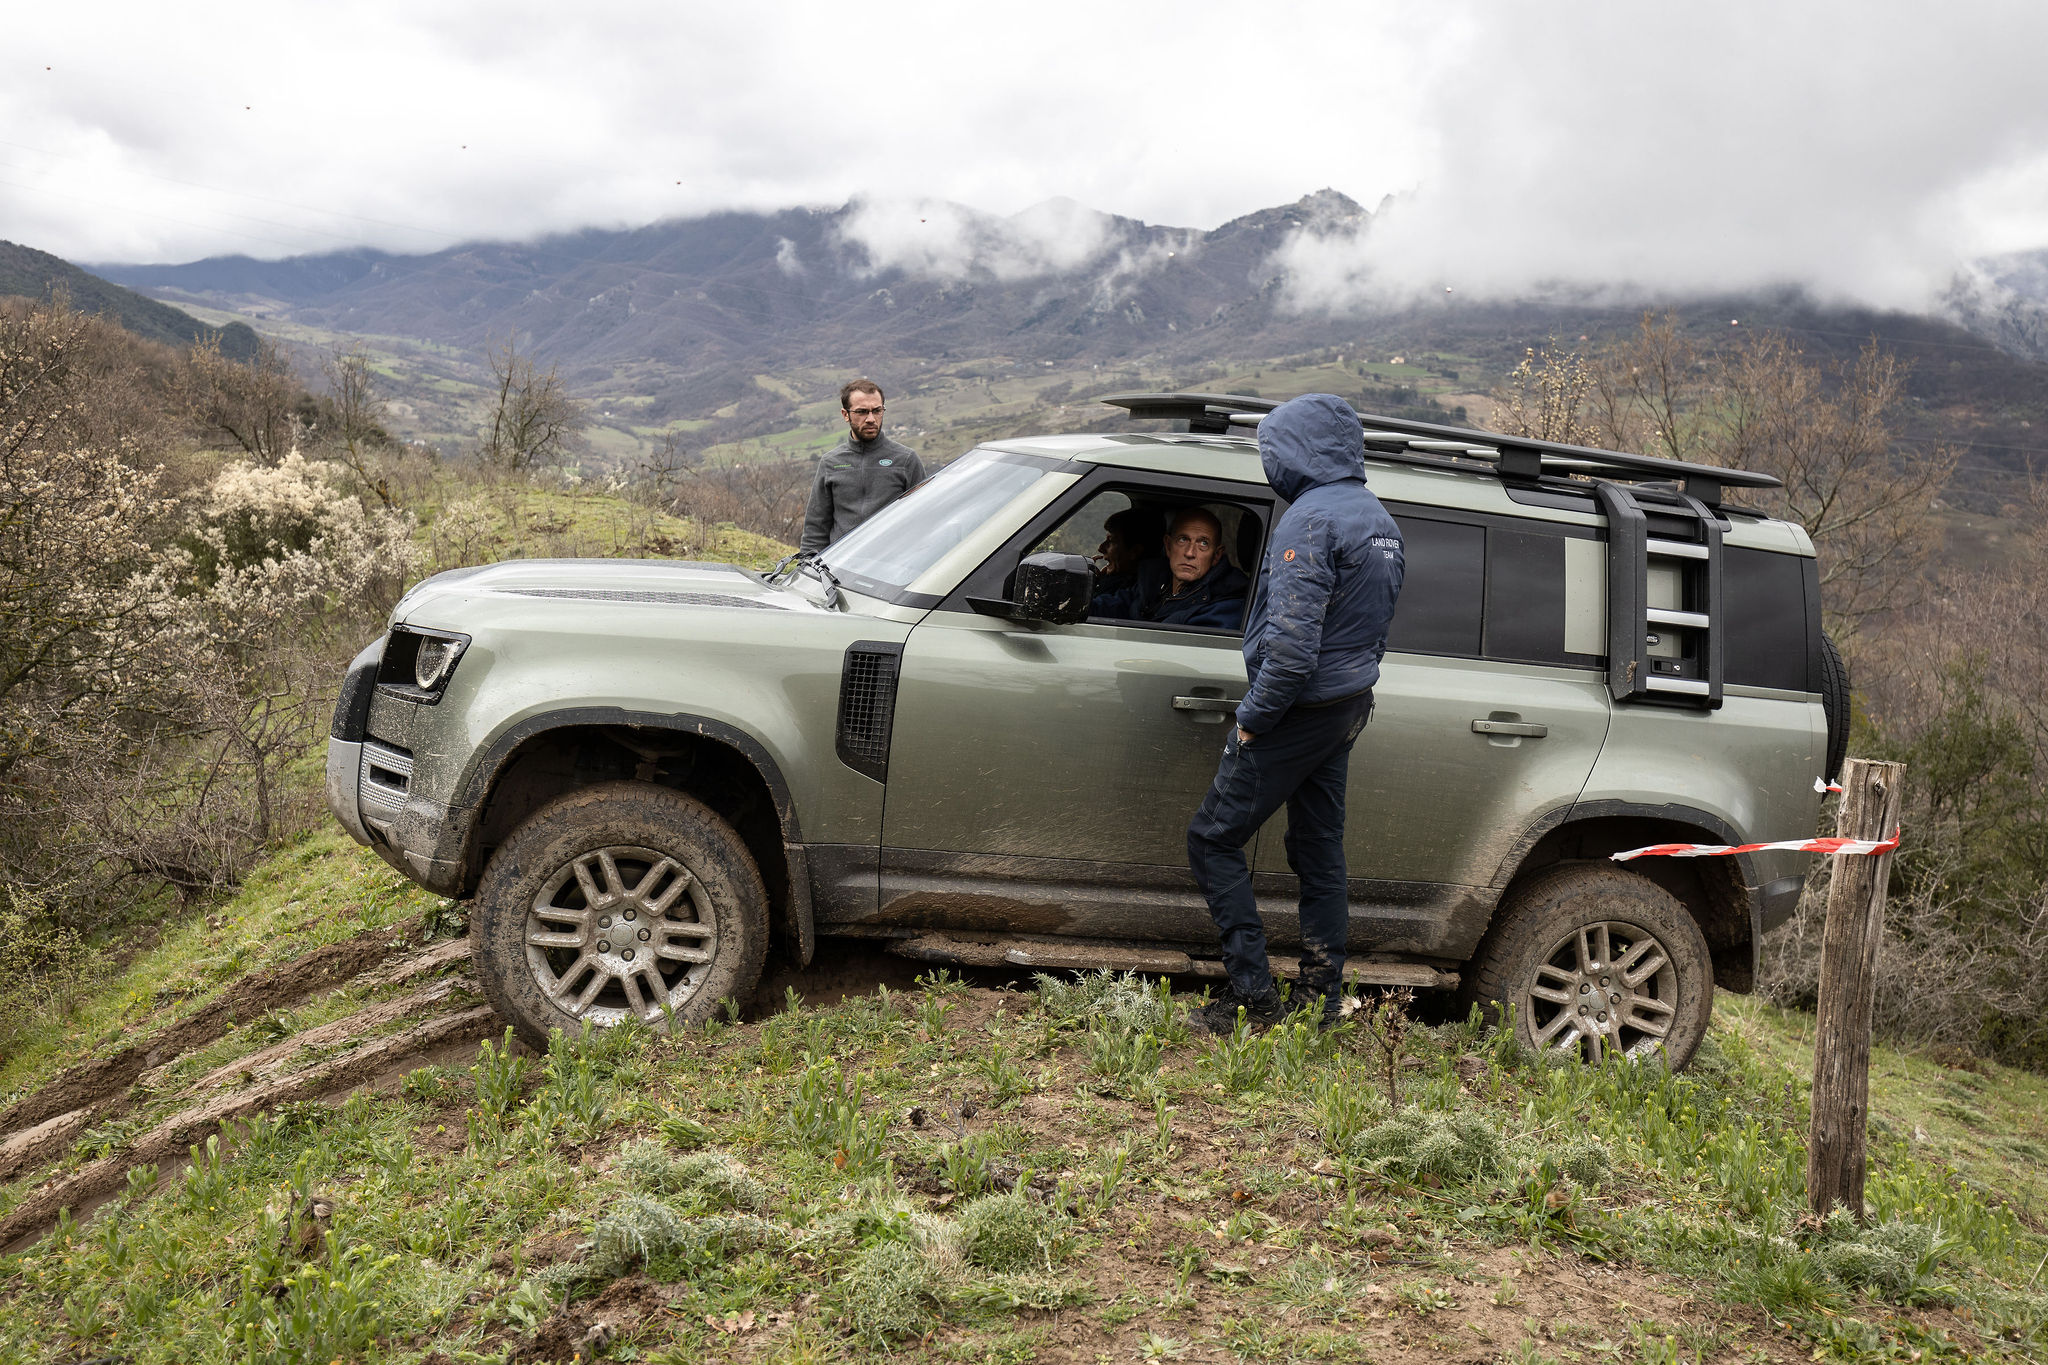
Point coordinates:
pixel 647 773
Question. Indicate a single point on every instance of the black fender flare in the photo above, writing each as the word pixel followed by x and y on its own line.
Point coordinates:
pixel 1717 829
pixel 484 766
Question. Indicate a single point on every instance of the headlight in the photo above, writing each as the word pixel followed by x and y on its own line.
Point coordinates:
pixel 435 658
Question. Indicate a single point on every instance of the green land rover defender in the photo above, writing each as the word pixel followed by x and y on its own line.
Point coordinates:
pixel 645 773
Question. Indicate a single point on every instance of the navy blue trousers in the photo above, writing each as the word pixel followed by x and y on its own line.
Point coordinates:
pixel 1301 763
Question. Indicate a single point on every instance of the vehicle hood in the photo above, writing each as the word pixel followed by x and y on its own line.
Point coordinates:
pixel 1309 441
pixel 681 582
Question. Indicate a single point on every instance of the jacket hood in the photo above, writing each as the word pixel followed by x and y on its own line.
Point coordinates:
pixel 1309 441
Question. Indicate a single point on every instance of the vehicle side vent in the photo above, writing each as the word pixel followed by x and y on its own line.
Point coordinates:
pixel 867 706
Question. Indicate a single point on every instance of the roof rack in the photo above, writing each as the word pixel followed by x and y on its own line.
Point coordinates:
pixel 1520 458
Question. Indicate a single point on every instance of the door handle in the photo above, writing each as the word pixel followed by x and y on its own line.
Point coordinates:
pixel 1222 706
pixel 1510 727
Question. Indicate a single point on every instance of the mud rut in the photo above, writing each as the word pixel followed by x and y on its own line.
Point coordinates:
pixel 38 1128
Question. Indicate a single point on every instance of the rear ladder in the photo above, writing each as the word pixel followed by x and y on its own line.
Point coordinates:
pixel 1664 643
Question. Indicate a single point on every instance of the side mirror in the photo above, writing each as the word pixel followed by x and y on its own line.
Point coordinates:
pixel 1051 590
pixel 1055 588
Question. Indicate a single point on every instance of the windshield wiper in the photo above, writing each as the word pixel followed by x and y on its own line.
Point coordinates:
pixel 808 559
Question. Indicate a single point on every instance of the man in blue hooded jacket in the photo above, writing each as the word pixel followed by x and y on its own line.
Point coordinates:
pixel 1312 648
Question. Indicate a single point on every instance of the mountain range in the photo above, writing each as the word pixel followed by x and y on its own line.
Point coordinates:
pixel 685 316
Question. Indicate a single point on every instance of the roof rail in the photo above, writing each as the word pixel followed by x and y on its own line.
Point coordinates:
pixel 1511 457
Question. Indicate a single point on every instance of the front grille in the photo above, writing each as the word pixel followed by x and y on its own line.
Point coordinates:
pixel 382 785
pixel 867 706
pixel 690 599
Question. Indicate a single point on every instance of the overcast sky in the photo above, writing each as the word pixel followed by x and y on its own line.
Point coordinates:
pixel 1862 149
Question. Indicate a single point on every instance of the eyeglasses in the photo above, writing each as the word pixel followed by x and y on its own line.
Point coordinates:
pixel 865 412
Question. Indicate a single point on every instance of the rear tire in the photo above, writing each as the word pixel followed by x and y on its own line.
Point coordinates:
pixel 1596 960
pixel 613 901
pixel 1834 695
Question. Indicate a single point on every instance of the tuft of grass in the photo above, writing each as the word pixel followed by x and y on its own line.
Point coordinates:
pixel 717 1179
pixel 891 1292
pixel 1012 1232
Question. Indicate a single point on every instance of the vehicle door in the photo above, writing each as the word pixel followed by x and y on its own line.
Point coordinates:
pixel 1041 779
pixel 1491 707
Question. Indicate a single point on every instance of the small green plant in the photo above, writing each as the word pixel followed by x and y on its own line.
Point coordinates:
pixel 1121 1053
pixel 571 1100
pixel 1155 1346
pixel 327 1309
pixel 1109 1172
pixel 527 1306
pixel 825 1115
pixel 683 1132
pixel 1459 1146
pixel 1586 1161
pixel 1345 1107
pixel 965 1165
pixel 1426 1298
pixel 637 1231
pixel 932 1009
pixel 1005 1080
pixel 1296 1046
pixel 429 1084
pixel 1240 1061
pixel 499 1075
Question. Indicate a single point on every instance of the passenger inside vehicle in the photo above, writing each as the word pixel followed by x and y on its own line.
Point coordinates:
pixel 1130 539
pixel 1194 585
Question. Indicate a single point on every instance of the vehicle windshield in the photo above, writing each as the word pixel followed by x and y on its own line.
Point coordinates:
pixel 886 553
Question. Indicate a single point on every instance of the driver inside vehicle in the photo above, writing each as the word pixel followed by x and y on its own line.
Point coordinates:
pixel 1194 585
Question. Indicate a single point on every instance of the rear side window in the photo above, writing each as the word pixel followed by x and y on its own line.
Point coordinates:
pixel 1763 599
pixel 1482 591
pixel 1524 596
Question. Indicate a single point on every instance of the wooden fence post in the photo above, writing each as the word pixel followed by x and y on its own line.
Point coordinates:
pixel 1871 794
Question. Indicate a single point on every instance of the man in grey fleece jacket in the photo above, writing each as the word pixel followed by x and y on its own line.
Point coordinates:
pixel 862 474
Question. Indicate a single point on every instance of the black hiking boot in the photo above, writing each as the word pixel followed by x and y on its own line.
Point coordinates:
pixel 1322 999
pixel 1262 1011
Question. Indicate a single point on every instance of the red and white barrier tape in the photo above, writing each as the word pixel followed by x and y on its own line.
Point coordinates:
pixel 1788 845
pixel 1823 786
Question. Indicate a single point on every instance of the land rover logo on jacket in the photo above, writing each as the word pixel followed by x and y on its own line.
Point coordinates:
pixel 885 462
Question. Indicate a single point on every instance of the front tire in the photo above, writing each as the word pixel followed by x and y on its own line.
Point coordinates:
pixel 1597 960
pixel 615 901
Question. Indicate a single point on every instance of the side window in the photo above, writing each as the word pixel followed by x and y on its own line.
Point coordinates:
pixel 1442 588
pixel 1141 578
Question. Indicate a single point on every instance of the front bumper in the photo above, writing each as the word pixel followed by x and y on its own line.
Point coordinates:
pixel 369 789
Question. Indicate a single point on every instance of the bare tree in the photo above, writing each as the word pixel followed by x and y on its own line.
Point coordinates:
pixel 358 412
pixel 250 403
pixel 1656 392
pixel 1831 438
pixel 533 421
pixel 1830 435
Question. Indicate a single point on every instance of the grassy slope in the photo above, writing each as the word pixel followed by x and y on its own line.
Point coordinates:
pixel 1262 1208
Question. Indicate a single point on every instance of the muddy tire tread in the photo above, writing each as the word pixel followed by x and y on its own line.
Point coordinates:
pixel 616 813
pixel 1535 913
